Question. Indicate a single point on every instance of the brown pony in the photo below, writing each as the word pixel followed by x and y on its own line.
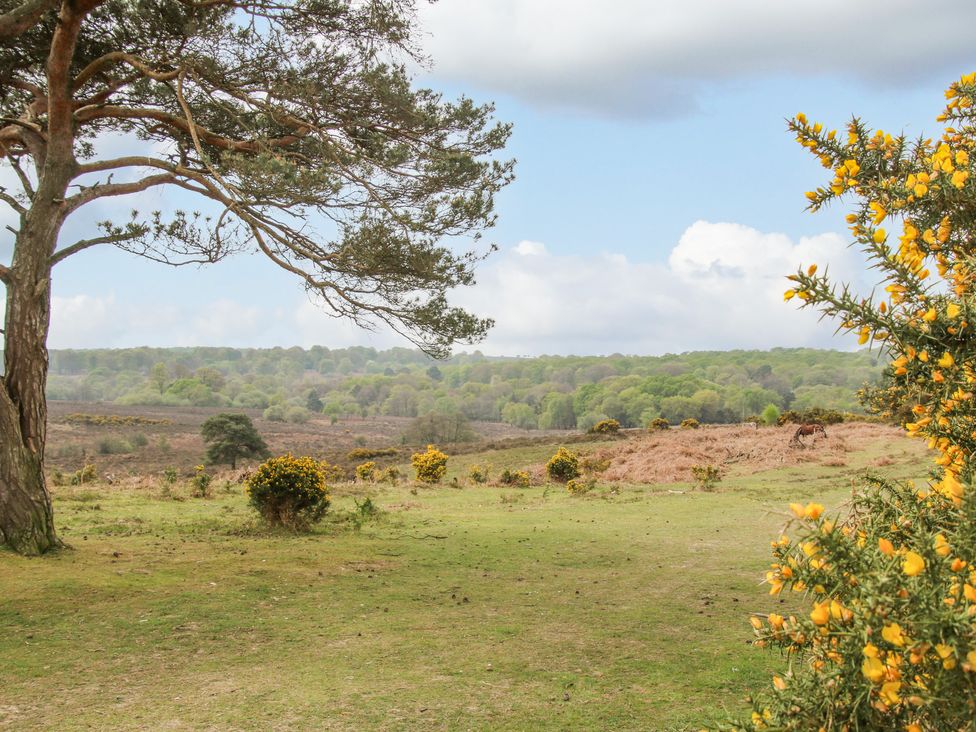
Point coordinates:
pixel 808 429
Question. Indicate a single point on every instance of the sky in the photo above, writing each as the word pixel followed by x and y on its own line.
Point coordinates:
pixel 659 199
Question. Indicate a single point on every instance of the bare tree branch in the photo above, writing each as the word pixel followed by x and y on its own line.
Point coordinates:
pixel 110 59
pixel 78 246
pixel 12 202
pixel 104 190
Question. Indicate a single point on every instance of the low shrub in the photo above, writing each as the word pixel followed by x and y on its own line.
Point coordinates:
pixel 170 476
pixel 113 446
pixel 706 476
pixel 563 466
pixel 579 486
pixel 87 474
pixel 605 427
pixel 517 478
pixel 658 423
pixel 200 482
pixel 332 473
pixel 289 491
pixel 430 465
pixel 391 475
pixel 368 453
pixel 690 424
pixel 590 464
pixel 366 473
pixel 478 473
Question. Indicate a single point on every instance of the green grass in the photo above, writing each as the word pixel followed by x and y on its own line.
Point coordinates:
pixel 456 610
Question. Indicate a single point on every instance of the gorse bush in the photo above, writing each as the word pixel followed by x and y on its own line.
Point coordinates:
pixel 516 478
pixel 579 486
pixel 658 423
pixel 889 641
pixel 706 476
pixel 429 466
pixel 478 473
pixel 366 473
pixel 563 466
pixel 289 491
pixel 690 424
pixel 605 427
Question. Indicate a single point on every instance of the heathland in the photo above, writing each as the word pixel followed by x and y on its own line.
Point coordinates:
pixel 459 606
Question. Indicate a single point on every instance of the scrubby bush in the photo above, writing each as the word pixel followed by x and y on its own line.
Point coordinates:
pixel 516 478
pixel 579 486
pixel 430 466
pixel 275 413
pixel 368 453
pixel 200 482
pixel 690 424
pixel 366 472
pixel 816 415
pixel 889 642
pixel 478 473
pixel 706 476
pixel 87 474
pixel 297 414
pixel 590 464
pixel 289 491
pixel 391 475
pixel 332 473
pixel 113 446
pixel 771 414
pixel 563 466
pixel 658 423
pixel 605 427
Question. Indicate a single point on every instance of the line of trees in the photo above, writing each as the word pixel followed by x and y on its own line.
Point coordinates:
pixel 547 392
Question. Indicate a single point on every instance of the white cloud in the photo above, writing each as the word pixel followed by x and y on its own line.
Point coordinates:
pixel 721 287
pixel 636 57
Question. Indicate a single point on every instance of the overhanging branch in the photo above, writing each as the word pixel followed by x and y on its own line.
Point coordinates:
pixel 78 246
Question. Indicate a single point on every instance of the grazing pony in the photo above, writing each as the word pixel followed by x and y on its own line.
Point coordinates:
pixel 808 429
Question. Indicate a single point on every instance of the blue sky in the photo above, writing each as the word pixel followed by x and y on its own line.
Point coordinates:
pixel 659 198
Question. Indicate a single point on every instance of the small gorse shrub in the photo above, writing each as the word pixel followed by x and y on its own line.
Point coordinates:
pixel 563 466
pixel 429 466
pixel 289 491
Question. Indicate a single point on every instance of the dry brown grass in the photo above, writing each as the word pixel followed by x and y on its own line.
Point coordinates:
pixel 667 457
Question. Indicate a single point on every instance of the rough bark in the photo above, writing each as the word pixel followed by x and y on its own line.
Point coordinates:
pixel 26 515
pixel 26 519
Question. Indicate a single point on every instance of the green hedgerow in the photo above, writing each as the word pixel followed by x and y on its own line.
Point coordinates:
pixel 430 466
pixel 289 491
pixel 563 466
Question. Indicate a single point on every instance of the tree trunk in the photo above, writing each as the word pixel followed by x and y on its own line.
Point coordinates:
pixel 26 516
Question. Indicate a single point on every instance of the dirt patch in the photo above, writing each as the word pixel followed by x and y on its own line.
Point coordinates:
pixel 667 457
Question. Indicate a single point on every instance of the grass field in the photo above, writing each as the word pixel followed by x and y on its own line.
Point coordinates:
pixel 465 608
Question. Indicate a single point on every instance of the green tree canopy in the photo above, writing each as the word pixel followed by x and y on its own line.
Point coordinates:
pixel 232 436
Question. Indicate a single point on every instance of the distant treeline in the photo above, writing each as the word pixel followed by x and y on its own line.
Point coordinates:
pixel 548 392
